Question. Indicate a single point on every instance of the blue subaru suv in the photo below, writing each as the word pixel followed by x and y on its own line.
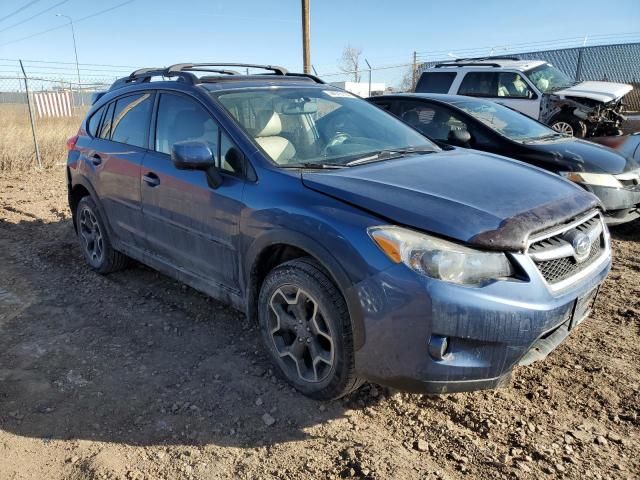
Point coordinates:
pixel 363 251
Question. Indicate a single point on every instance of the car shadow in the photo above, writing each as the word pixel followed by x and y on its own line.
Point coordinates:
pixel 134 357
pixel 626 231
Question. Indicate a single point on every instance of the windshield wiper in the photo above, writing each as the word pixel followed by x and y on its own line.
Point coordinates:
pixel 381 155
pixel 545 137
pixel 312 165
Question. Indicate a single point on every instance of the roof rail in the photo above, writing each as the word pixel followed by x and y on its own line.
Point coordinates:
pixel 490 57
pixel 465 64
pixel 483 61
pixel 184 73
pixel 180 67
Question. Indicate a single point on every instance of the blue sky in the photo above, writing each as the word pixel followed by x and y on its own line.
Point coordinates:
pixel 161 32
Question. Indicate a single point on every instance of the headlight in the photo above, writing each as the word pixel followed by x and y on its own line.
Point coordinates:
pixel 596 179
pixel 437 258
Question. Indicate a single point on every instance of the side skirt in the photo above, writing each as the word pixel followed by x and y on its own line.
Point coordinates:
pixel 215 290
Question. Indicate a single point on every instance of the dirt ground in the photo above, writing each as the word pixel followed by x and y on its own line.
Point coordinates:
pixel 135 376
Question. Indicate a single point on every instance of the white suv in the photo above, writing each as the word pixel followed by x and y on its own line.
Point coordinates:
pixel 535 88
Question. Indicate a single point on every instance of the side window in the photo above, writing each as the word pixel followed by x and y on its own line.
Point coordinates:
pixel 437 122
pixel 131 120
pixel 512 85
pixel 384 105
pixel 94 122
pixel 435 82
pixel 479 84
pixel 105 129
pixel 230 161
pixel 431 120
pixel 180 119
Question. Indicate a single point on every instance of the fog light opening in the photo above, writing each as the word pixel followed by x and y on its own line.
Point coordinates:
pixel 438 347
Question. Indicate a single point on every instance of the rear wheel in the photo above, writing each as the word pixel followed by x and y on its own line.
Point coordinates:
pixel 569 125
pixel 306 329
pixel 94 239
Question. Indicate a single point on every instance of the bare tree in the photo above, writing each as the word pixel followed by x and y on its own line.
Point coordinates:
pixel 406 82
pixel 350 62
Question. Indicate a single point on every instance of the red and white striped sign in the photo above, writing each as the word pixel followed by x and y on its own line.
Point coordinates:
pixel 53 104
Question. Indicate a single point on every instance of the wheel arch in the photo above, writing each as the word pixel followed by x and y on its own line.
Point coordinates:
pixel 277 247
pixel 78 187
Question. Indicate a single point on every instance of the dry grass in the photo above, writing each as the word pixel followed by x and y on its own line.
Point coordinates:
pixel 17 151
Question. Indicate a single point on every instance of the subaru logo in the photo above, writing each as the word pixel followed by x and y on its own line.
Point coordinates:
pixel 581 244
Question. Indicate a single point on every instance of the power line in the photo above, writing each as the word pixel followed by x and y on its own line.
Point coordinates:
pixel 67 63
pixel 65 25
pixel 41 12
pixel 566 42
pixel 15 12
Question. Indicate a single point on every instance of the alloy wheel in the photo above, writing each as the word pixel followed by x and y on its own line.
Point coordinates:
pixel 91 234
pixel 563 127
pixel 301 336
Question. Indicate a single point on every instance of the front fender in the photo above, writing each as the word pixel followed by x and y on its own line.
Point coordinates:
pixel 315 249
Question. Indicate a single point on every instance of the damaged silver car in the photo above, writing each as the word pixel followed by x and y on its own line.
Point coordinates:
pixel 535 88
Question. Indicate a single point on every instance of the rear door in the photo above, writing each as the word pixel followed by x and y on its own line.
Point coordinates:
pixel 190 225
pixel 116 158
pixel 509 88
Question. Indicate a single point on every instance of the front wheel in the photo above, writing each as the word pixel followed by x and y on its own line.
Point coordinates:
pixel 306 329
pixel 569 125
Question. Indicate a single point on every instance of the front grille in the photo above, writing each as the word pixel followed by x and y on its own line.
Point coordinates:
pixel 560 269
pixel 555 255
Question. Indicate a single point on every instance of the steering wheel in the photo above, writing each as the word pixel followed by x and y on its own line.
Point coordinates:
pixel 338 139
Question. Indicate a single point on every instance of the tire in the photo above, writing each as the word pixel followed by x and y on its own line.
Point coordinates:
pixel 94 239
pixel 567 123
pixel 310 340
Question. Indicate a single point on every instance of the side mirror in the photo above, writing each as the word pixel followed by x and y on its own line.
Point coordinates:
pixel 460 138
pixel 192 155
pixel 196 155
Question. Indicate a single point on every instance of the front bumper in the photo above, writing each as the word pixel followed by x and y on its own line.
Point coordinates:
pixel 621 204
pixel 490 329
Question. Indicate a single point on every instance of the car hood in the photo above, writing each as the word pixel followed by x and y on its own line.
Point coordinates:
pixel 628 145
pixel 604 92
pixel 477 198
pixel 583 156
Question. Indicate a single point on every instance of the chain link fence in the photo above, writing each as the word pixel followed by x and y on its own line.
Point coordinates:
pixel 37 115
pixel 612 63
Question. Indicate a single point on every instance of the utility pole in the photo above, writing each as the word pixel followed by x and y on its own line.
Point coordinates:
pixel 369 65
pixel 75 51
pixel 414 70
pixel 306 37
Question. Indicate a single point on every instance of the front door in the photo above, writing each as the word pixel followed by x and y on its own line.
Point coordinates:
pixel 189 224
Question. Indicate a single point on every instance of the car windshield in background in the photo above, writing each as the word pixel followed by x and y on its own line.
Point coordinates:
pixel 548 79
pixel 505 121
pixel 318 127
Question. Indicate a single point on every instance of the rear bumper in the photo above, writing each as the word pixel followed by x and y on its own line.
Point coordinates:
pixel 489 330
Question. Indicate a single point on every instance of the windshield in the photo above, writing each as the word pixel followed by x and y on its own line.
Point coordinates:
pixel 548 78
pixel 505 121
pixel 298 126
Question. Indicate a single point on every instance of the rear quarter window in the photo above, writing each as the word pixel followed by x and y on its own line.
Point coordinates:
pixel 94 122
pixel 435 82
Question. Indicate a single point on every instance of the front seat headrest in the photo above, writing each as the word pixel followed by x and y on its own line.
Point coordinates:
pixel 268 124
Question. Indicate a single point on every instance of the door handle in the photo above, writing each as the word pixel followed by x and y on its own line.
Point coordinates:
pixel 95 159
pixel 151 179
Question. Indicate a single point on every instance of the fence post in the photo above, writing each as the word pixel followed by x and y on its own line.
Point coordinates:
pixel 33 123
